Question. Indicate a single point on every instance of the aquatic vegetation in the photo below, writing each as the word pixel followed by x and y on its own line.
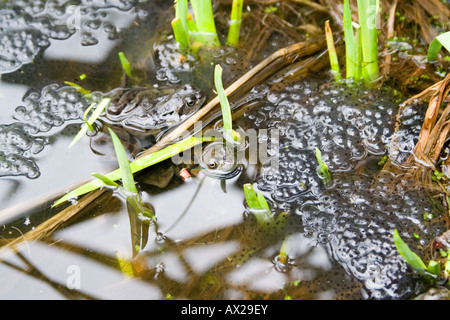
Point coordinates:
pixel 100 107
pixel 235 23
pixel 322 170
pixel 225 106
pixel 258 206
pixel 334 62
pixel 201 27
pixel 125 64
pixel 361 47
pixel 413 259
pixel 436 45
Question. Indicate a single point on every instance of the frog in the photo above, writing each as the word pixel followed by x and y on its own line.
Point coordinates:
pixel 219 160
pixel 153 109
pixel 144 113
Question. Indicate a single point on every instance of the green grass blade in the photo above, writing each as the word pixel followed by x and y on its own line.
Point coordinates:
pixel 78 87
pixel 436 45
pixel 100 108
pixel 224 103
pixel 136 166
pixel 410 257
pixel 105 180
pixel 235 22
pixel 332 53
pixel 369 40
pixel 350 43
pixel 124 165
pixel 125 64
pixel 205 22
pixel 225 106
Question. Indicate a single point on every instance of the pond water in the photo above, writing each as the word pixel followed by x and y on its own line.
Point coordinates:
pixel 206 243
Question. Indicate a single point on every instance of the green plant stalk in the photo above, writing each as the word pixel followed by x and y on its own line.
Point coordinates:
pixel 235 22
pixel 205 22
pixel 350 43
pixel 181 36
pixel 136 166
pixel 182 12
pixel 125 64
pixel 258 206
pixel 369 40
pixel 225 106
pixel 334 62
pixel 124 165
pixel 224 103
pixel 101 106
pixel 358 56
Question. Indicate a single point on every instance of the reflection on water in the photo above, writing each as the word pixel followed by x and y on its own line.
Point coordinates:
pixel 207 252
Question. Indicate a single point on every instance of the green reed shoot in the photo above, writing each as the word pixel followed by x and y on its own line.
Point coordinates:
pixel 125 64
pixel 182 13
pixel 258 206
pixel 413 259
pixel 361 46
pixel 204 19
pixel 180 35
pixel 79 88
pixel 180 23
pixel 443 40
pixel 235 22
pixel 126 175
pixel 136 166
pixel 367 11
pixel 351 54
pixel 225 105
pixel 322 170
pixel 124 165
pixel 88 123
pixel 334 62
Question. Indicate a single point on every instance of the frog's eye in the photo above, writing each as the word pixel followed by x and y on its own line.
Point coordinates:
pixel 212 164
pixel 189 101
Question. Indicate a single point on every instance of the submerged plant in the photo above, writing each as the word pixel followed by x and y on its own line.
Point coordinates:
pixel 125 64
pixel 258 206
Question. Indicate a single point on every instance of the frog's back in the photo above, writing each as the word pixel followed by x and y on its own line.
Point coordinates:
pixel 153 108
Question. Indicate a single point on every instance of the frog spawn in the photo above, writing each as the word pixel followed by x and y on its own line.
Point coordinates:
pixel 28 26
pixel 353 217
pixel 41 112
